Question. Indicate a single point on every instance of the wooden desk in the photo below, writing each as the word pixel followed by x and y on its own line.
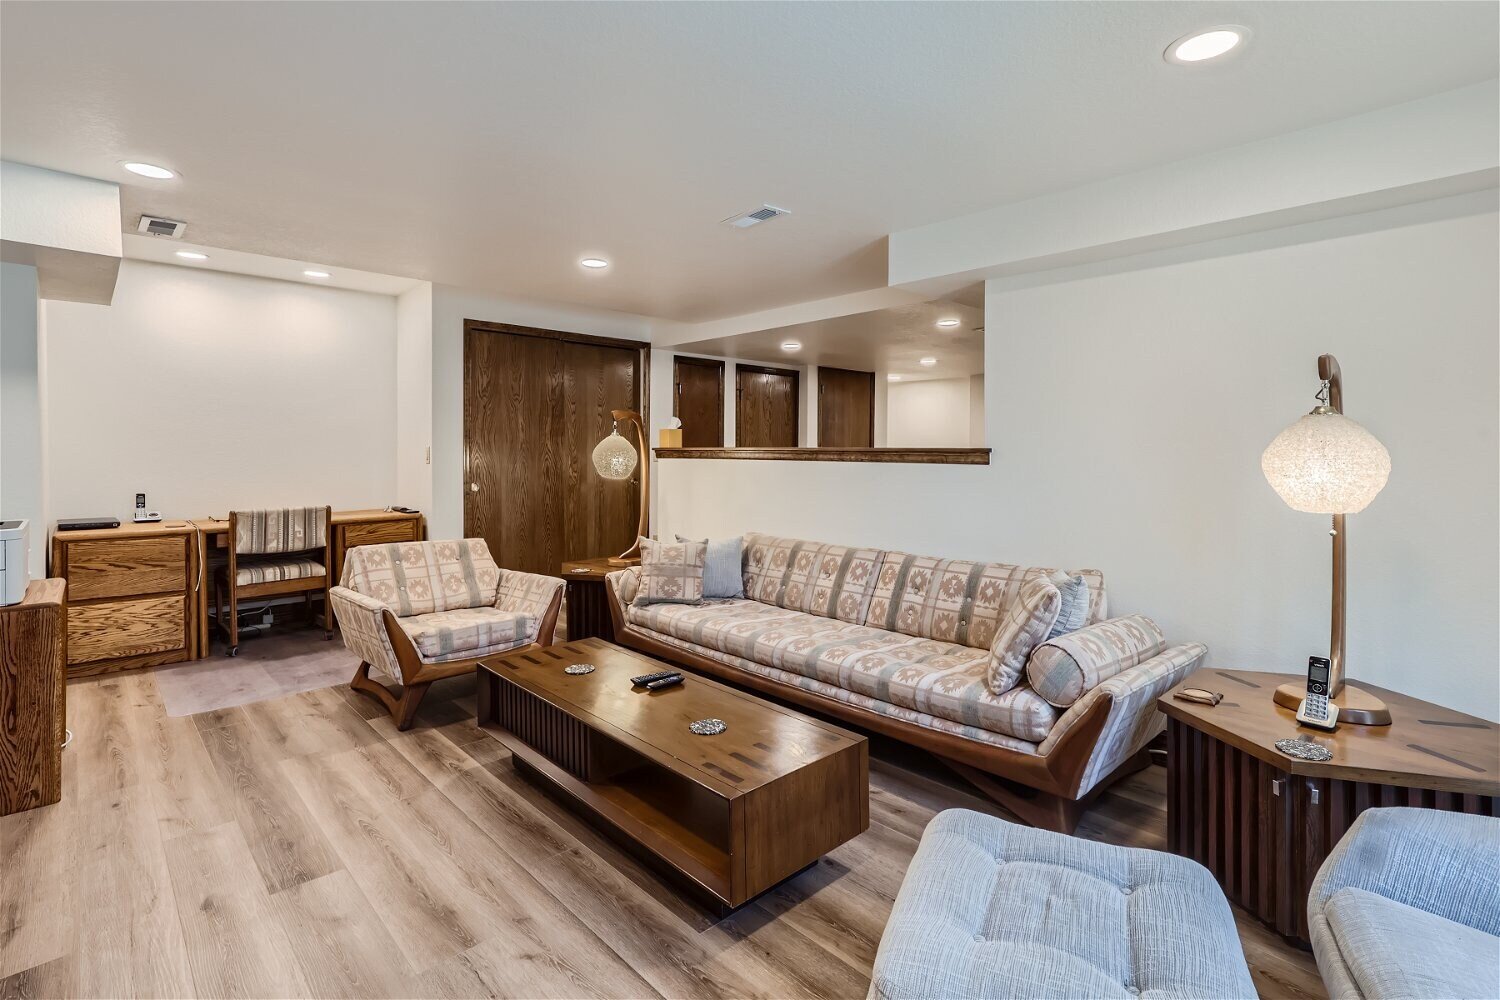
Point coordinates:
pixel 33 693
pixel 350 528
pixel 588 604
pixel 1263 822
pixel 133 595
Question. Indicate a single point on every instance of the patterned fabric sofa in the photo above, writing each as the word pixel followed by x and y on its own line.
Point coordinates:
pixel 902 645
pixel 421 611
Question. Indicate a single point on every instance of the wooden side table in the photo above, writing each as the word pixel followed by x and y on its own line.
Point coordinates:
pixel 588 603
pixel 1263 822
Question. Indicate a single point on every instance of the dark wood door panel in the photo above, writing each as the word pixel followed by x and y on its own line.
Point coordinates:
pixel 512 438
pixel 767 407
pixel 536 402
pixel 846 408
pixel 698 401
pixel 600 515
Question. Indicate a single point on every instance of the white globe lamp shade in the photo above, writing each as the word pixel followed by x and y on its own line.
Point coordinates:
pixel 614 458
pixel 1326 463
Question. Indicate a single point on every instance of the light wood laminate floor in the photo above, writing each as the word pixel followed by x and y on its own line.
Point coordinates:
pixel 301 846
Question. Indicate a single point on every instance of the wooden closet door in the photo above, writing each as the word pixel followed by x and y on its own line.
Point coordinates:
pixel 766 407
pixel 513 423
pixel 600 516
pixel 536 402
pixel 698 401
pixel 846 408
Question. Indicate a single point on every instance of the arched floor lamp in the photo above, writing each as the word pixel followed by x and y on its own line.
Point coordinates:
pixel 614 458
pixel 1326 463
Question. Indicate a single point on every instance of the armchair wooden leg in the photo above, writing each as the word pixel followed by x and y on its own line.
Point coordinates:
pixel 411 697
pixel 403 709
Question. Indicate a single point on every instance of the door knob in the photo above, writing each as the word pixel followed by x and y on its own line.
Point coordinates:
pixel 473 487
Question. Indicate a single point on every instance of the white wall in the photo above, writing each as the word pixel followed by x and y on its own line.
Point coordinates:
pixel 207 390
pixel 1132 444
pixel 976 411
pixel 21 408
pixel 414 398
pixel 932 413
pixel 450 307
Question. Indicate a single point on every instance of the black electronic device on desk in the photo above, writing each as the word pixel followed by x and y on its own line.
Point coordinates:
pixel 86 523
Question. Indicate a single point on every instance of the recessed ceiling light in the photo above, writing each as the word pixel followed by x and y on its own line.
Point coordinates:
pixel 316 274
pixel 192 255
pixel 947 322
pixel 893 377
pixel 791 345
pixel 150 170
pixel 593 263
pixel 1207 44
pixel 929 361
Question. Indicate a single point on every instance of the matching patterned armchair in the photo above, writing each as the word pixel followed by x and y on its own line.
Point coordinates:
pixel 418 612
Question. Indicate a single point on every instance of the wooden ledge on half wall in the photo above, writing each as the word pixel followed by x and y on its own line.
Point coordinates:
pixel 920 456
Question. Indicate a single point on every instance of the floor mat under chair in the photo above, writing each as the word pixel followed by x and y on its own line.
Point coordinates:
pixel 268 666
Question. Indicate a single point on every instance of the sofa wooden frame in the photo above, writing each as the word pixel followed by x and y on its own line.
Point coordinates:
pixel 1040 789
pixel 417 675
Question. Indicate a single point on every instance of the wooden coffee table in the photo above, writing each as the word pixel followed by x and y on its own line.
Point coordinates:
pixel 733 814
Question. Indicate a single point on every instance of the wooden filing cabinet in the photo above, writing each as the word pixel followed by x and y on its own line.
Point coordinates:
pixel 33 693
pixel 352 528
pixel 133 595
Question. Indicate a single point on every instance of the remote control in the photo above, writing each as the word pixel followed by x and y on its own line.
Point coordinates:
pixel 665 682
pixel 648 678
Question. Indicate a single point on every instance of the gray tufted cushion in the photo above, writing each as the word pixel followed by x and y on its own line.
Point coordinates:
pixel 991 909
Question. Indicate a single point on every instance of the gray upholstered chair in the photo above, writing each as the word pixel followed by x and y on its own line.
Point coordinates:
pixel 1408 905
pixel 991 909
pixel 274 553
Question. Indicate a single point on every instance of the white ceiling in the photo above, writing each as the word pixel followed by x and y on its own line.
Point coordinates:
pixel 887 340
pixel 492 145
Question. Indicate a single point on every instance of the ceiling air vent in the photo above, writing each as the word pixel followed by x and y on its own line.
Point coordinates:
pixel 763 214
pixel 153 226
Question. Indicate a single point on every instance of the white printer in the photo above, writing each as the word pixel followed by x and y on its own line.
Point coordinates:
pixel 15 558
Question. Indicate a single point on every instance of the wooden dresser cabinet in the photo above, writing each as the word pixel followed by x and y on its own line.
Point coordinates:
pixel 132 595
pixel 370 527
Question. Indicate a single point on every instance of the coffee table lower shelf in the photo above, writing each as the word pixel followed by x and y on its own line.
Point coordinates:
pixel 726 842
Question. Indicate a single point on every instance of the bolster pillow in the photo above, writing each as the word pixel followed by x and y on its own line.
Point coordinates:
pixel 1064 668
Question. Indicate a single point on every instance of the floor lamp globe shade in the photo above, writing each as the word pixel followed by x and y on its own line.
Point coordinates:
pixel 614 458
pixel 1326 463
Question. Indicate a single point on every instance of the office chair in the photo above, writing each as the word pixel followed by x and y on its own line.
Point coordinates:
pixel 273 553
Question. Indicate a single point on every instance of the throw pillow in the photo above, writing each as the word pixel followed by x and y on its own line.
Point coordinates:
pixel 1073 611
pixel 723 567
pixel 1065 668
pixel 1024 623
pixel 671 573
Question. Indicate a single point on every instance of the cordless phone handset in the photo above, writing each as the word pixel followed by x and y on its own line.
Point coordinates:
pixel 1316 710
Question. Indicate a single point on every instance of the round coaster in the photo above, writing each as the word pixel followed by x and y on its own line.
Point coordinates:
pixel 708 727
pixel 579 668
pixel 1304 750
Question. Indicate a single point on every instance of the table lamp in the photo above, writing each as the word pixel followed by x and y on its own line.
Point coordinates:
pixel 614 458
pixel 1326 463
